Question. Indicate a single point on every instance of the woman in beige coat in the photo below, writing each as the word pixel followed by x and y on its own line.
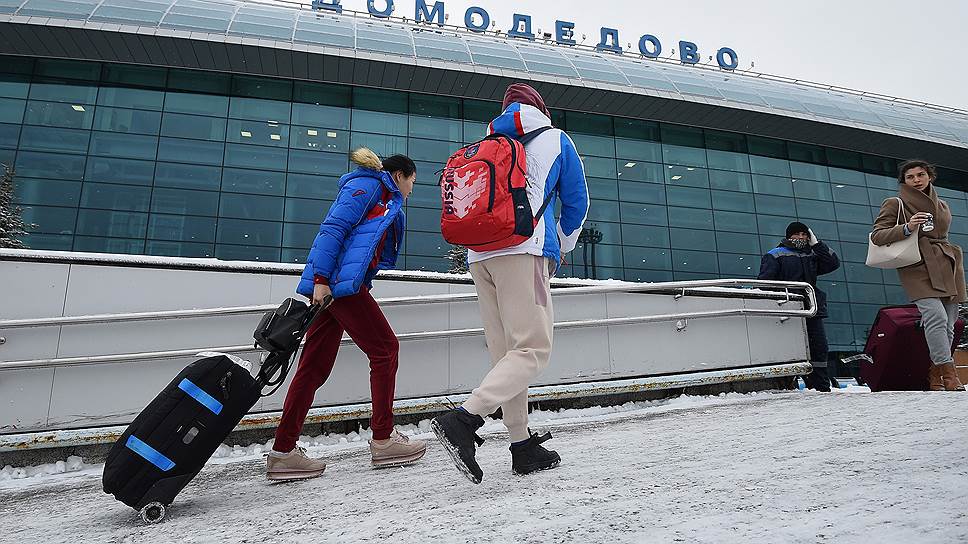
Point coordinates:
pixel 937 283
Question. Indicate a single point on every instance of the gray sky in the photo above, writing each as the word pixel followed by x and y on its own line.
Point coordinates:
pixel 908 49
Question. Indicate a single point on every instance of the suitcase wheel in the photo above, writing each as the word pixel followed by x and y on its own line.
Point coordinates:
pixel 153 512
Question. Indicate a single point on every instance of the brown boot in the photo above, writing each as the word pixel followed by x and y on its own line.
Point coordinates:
pixel 950 378
pixel 936 377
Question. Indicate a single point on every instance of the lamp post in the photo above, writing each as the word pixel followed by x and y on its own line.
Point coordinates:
pixel 588 238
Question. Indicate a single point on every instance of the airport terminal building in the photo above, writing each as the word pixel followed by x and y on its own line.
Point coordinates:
pixel 218 128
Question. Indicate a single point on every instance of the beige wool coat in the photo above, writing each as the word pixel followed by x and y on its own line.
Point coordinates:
pixel 940 274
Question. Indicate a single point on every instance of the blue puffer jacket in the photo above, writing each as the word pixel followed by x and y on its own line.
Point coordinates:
pixel 355 224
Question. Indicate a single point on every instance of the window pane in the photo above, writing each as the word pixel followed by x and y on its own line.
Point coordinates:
pixel 181 228
pixel 179 249
pixel 50 165
pixel 50 192
pixel 194 151
pixel 643 257
pixel 813 209
pixel 771 185
pixel 54 139
pixel 268 208
pixel 687 176
pixel 115 197
pixel 854 214
pixel 601 146
pixel 322 116
pixel 123 145
pixel 728 160
pixel 691 218
pixel 262 182
pixel 772 225
pixel 644 214
pixel 602 188
pixel 50 220
pixel 319 139
pixel 200 104
pixel 643 236
pixel 599 167
pixel 309 186
pixel 435 128
pixel 57 114
pixel 130 98
pixel 636 129
pixel 739 202
pixel 310 162
pixel 60 91
pixel 683 238
pixel 731 181
pixel 189 80
pixel 642 192
pixel 246 253
pixel 258 87
pixel 382 145
pixel 113 224
pixel 109 245
pixel 777 205
pixel 380 123
pixel 9 136
pixel 14 86
pixel 50 242
pixel 306 210
pixel 127 171
pixel 255 156
pixel 258 133
pixel 695 261
pixel 739 266
pixel 817 190
pixel 184 202
pixel 846 177
pixel 769 166
pixel 186 176
pixel 639 171
pixel 803 170
pixel 688 196
pixel 259 110
pixel 733 221
pixel 238 231
pixel 735 242
pixel 130 121
pixel 688 156
pixel 142 76
pixel 638 150
pixel 193 126
pixel 598 210
pixel 299 235
pixel 322 94
pixel 431 150
pixel 849 193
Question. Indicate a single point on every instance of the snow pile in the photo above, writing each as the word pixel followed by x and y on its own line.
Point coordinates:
pixel 72 464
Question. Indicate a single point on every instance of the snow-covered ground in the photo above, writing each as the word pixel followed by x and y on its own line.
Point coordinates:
pixel 774 467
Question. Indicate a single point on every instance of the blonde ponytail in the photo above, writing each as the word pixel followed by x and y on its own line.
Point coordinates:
pixel 367 159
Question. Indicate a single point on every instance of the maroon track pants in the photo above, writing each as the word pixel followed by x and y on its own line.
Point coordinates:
pixel 360 316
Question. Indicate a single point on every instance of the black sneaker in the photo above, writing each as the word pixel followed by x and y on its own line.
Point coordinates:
pixel 532 456
pixel 455 431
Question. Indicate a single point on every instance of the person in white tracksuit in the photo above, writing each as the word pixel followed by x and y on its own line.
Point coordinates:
pixel 514 292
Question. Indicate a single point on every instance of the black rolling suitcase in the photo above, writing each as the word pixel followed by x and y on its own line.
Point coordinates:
pixel 167 445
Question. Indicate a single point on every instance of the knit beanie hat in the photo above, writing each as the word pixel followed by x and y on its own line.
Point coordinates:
pixel 796 227
pixel 524 94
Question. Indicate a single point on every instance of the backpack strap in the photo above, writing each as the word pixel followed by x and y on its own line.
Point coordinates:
pixel 526 138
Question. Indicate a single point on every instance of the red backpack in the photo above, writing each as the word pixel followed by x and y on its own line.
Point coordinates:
pixel 484 194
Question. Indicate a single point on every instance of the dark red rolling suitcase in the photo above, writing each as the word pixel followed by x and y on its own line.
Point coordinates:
pixel 897 353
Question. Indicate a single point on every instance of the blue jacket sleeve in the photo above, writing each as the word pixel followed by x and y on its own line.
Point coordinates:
pixel 827 260
pixel 573 191
pixel 769 268
pixel 353 201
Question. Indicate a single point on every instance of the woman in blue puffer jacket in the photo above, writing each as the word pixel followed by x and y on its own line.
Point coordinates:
pixel 361 235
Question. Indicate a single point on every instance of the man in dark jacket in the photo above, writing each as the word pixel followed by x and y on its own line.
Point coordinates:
pixel 802 257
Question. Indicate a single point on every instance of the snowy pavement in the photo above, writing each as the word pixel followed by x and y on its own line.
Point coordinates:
pixel 773 467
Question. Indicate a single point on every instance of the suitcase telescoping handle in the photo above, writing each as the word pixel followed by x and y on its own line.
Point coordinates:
pixel 278 363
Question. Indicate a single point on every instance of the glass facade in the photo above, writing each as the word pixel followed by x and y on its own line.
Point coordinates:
pixel 160 161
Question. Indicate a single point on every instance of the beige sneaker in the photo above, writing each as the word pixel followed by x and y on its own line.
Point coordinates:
pixel 396 451
pixel 294 465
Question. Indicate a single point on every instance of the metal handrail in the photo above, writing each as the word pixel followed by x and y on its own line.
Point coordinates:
pixel 681 318
pixel 395 301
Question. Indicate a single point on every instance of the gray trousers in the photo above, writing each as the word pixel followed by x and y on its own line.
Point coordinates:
pixel 938 320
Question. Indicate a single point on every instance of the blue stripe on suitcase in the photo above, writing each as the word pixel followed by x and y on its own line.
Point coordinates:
pixel 202 397
pixel 150 454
